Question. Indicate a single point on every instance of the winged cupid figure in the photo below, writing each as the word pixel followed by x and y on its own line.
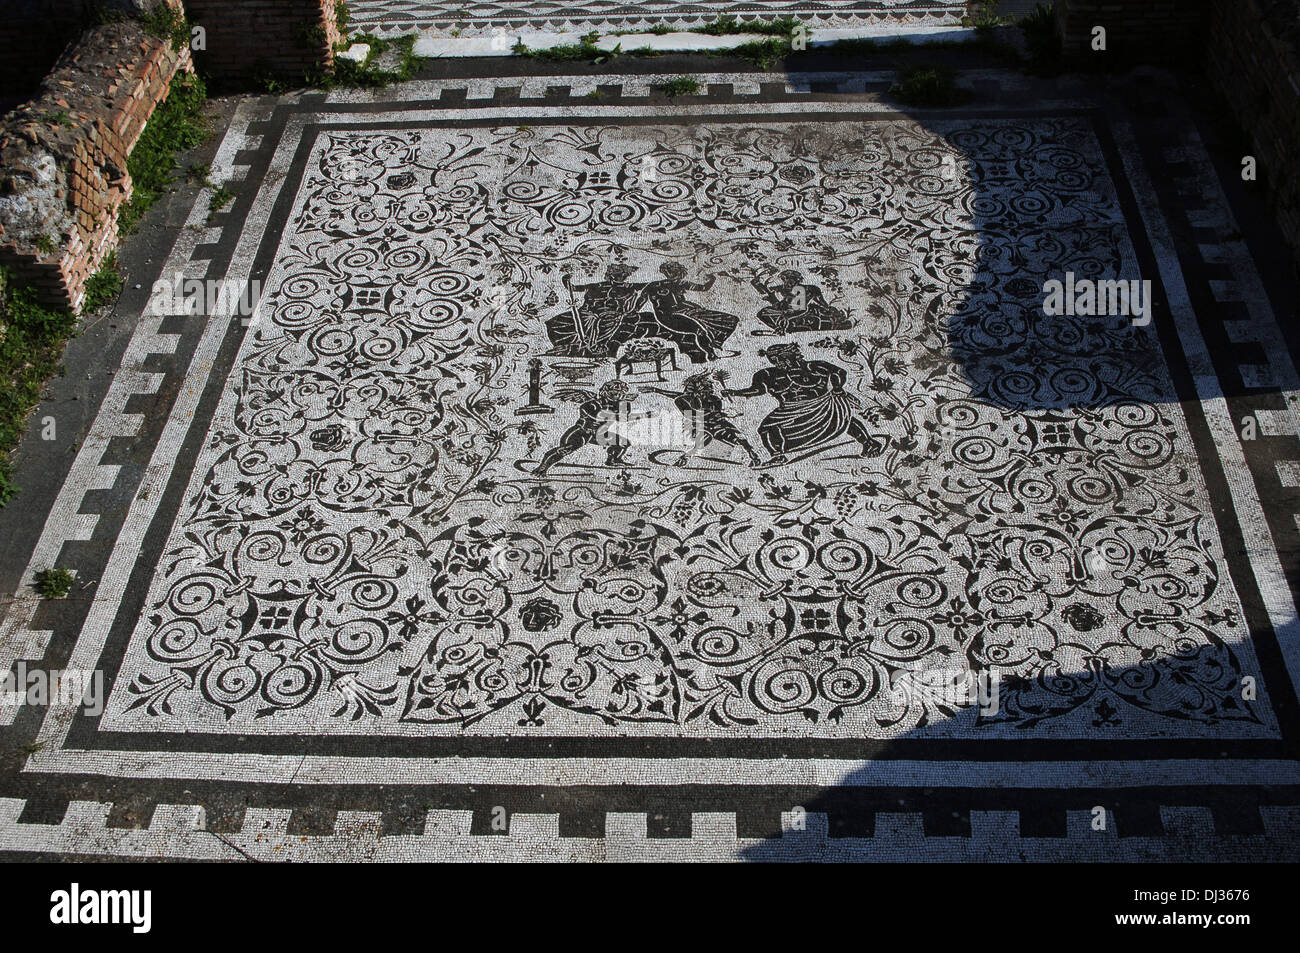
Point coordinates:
pixel 701 405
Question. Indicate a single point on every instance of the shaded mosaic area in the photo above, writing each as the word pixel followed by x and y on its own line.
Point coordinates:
pixel 850 448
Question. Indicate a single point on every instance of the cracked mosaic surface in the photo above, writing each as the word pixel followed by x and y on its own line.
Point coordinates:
pixel 936 475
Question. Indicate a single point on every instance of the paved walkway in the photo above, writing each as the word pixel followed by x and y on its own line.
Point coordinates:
pixel 684 471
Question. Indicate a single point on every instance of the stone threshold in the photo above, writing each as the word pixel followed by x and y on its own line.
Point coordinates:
pixel 435 46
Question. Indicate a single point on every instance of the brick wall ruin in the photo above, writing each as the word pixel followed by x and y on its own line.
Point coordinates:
pixel 1248 50
pixel 1145 31
pixel 63 172
pixel 63 169
pixel 253 38
pixel 1254 61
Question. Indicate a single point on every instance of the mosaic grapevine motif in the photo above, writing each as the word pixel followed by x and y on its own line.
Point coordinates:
pixel 698 431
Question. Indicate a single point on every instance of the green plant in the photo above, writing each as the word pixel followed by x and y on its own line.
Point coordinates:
pixel 984 15
pixel 221 197
pixel 199 172
pixel 781 26
pixel 103 286
pixel 311 36
pixel 584 49
pixel 722 26
pixel 1042 40
pixel 763 53
pixel 46 245
pixel 29 351
pixel 29 355
pixel 53 583
pixel 365 75
pixel 681 86
pixel 342 16
pixel 926 85
pixel 267 81
pixel 167 23
pixel 730 26
pixel 58 118
pixel 176 125
pixel 8 488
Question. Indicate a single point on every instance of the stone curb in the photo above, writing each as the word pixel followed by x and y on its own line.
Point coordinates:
pixel 503 44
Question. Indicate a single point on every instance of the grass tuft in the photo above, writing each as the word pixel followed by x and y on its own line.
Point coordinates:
pixel 682 86
pixel 167 23
pixel 1042 41
pixel 221 197
pixel 584 50
pixel 53 583
pixel 30 352
pixel 763 53
pixel 928 86
pixel 103 287
pixel 730 26
pixel 176 125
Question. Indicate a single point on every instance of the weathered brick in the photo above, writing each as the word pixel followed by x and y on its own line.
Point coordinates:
pixel 90 150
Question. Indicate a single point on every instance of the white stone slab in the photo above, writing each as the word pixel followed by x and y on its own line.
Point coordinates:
pixel 357 52
pixel 676 42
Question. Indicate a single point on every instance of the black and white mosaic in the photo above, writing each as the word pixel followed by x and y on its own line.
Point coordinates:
pixel 696 430
pixel 481 17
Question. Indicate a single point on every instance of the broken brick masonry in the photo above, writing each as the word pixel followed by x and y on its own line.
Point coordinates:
pixel 63 157
pixel 63 169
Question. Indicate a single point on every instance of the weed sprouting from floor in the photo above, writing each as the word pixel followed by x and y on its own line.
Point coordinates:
pixel 584 50
pixel 682 86
pixel 53 583
pixel 729 26
pixel 221 197
pixel 927 85
pixel 763 53
pixel 103 287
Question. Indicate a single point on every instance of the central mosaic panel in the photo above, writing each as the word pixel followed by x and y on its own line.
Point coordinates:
pixel 724 430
